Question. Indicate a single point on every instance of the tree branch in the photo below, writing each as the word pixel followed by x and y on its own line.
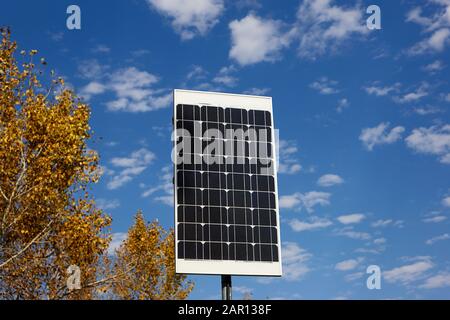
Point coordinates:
pixel 36 238
pixel 13 193
pixel 98 282
pixel 3 194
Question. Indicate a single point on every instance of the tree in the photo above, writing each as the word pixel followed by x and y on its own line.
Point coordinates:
pixel 145 261
pixel 48 218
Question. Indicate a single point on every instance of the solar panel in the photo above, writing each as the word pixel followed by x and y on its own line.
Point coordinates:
pixel 226 204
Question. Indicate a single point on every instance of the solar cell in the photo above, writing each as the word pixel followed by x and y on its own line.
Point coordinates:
pixel 226 210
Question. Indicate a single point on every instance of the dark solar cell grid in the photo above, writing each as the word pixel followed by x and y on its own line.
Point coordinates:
pixel 226 210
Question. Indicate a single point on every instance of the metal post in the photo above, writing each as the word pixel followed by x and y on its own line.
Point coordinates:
pixel 226 287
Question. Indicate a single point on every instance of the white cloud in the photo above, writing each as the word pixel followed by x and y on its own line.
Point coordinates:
pixel 442 237
pixel 244 4
pixel 139 53
pixel 92 69
pixel 354 276
pixel 314 198
pixel 306 200
pixel 117 239
pixel 371 251
pixel 255 39
pixel 92 88
pixel 415 15
pixel 413 96
pixel 434 140
pixel 197 73
pixel 111 143
pixel 290 201
pixel 289 168
pixel 288 163
pixel 287 148
pixel 190 18
pixel 328 180
pixel 101 48
pixel 342 104
pixel 295 261
pixel 434 66
pixel 357 235
pixel 56 36
pixel 435 219
pixel 447 97
pixel 381 91
pixel 352 234
pixel 379 241
pixel 130 167
pixel 446 202
pixel 387 222
pixel 325 86
pixel 382 223
pixel 148 192
pixel 124 177
pixel 426 110
pixel 351 218
pixel 200 79
pixel 242 289
pixel 245 291
pixel 435 43
pixel 379 135
pixel 162 131
pixel 133 88
pixel 257 91
pixel 438 281
pixel 403 96
pixel 340 298
pixel 226 80
pixel 167 200
pixel 133 91
pixel 314 224
pixel 105 204
pixel 137 158
pixel 165 185
pixel 436 28
pixel 408 273
pixel 225 77
pixel 103 170
pixel 323 26
pixel 347 265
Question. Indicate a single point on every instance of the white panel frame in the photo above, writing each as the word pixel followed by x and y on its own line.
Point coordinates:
pixel 228 267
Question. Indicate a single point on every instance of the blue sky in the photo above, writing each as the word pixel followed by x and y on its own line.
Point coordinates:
pixel 363 118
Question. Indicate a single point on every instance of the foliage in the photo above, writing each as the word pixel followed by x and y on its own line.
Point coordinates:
pixel 148 252
pixel 48 218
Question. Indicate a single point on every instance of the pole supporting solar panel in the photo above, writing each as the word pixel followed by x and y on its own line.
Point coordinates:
pixel 226 198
